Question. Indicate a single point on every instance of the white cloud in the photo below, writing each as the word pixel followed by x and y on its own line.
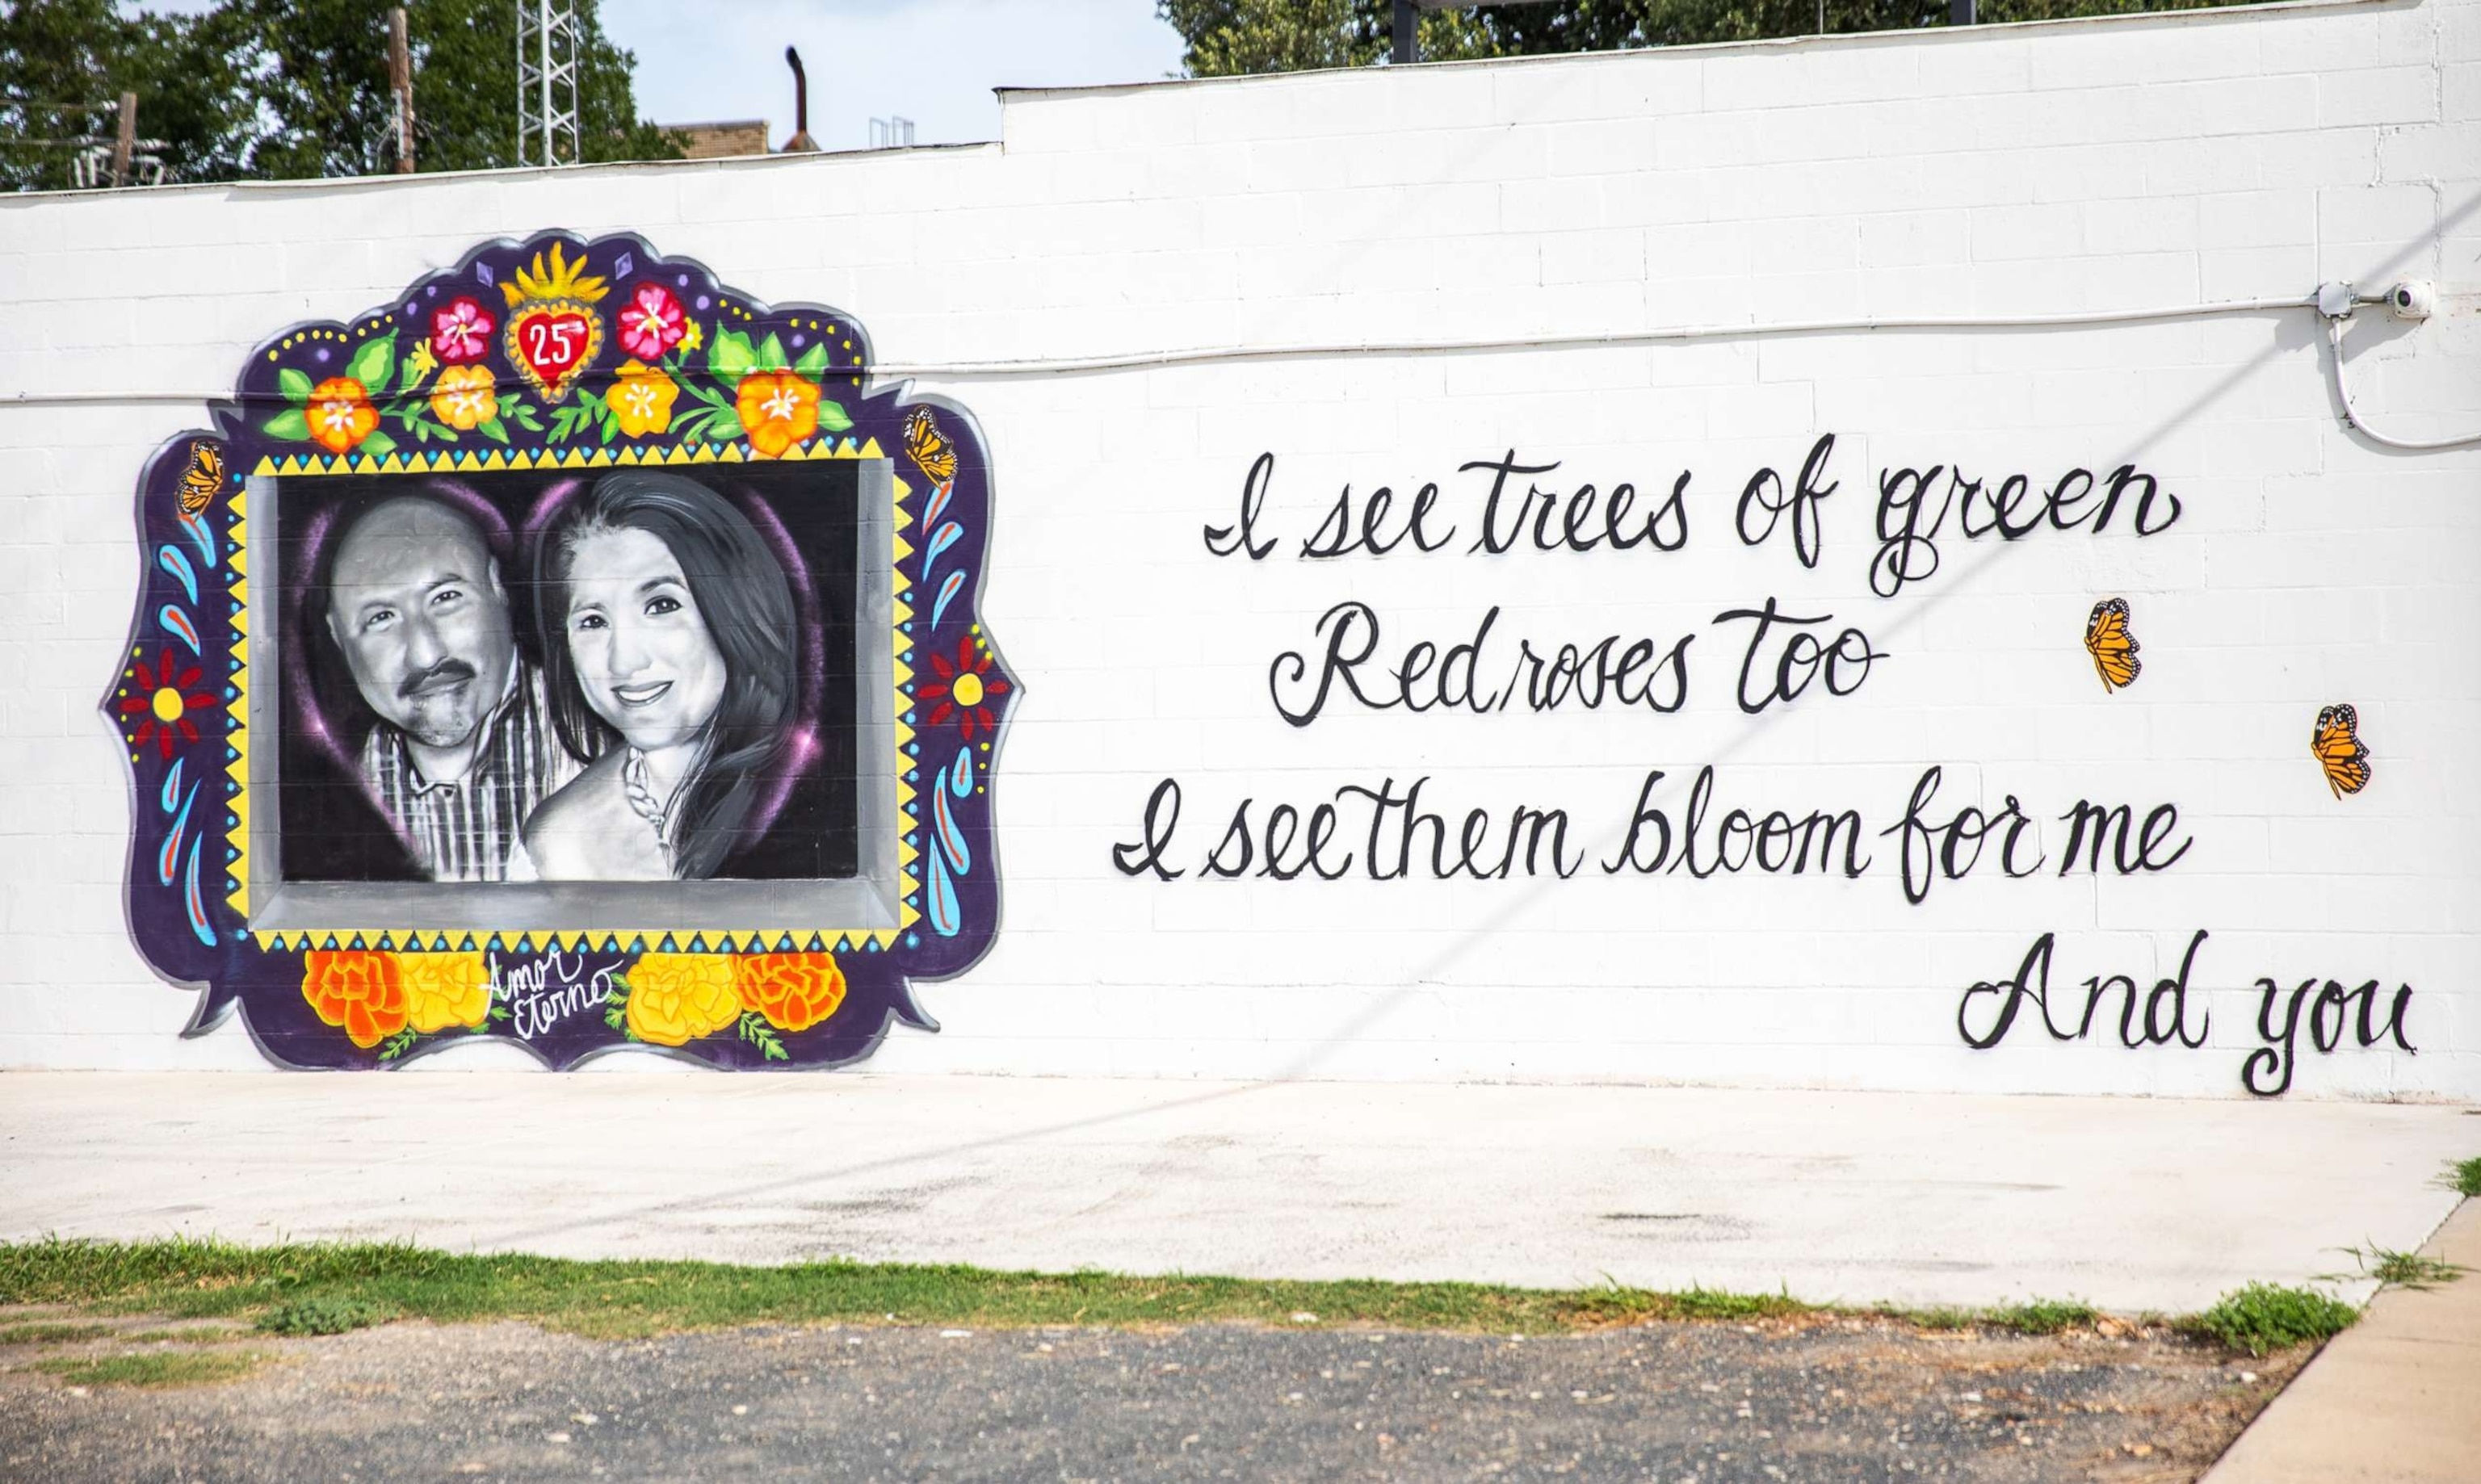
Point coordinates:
pixel 932 61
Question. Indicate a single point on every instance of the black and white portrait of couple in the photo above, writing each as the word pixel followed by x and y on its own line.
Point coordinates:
pixel 604 678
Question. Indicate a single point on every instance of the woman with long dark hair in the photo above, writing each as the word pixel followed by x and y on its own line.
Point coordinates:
pixel 671 659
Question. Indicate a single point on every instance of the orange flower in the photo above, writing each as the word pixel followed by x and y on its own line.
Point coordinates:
pixel 794 991
pixel 444 989
pixel 357 990
pixel 777 410
pixel 462 399
pixel 341 414
pixel 640 397
pixel 676 998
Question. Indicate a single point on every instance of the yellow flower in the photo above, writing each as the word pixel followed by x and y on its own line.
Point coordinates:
pixel 692 338
pixel 444 989
pixel 462 399
pixel 676 998
pixel 420 364
pixel 778 410
pixel 642 397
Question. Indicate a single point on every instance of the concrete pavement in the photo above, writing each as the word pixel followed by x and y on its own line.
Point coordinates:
pixel 2396 1399
pixel 2131 1203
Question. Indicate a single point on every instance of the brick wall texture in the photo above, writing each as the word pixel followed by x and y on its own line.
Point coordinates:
pixel 2002 171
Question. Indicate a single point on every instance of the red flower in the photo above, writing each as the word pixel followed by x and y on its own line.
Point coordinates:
pixel 652 323
pixel 461 331
pixel 164 702
pixel 967 685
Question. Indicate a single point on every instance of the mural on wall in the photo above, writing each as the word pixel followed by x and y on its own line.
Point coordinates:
pixel 1678 820
pixel 573 651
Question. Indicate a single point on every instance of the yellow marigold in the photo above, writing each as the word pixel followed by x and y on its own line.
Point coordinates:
pixel 640 397
pixel 360 991
pixel 444 989
pixel 462 398
pixel 677 998
pixel 794 991
pixel 341 415
pixel 778 410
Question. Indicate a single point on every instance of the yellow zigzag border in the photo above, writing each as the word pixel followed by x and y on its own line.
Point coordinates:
pixel 806 937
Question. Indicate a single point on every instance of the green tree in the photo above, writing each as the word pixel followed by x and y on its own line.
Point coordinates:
pixel 321 68
pixel 292 88
pixel 64 64
pixel 1226 37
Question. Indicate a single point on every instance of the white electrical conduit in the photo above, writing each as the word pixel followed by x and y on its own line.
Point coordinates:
pixel 2343 394
pixel 1147 360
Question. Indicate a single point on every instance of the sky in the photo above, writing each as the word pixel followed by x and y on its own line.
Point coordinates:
pixel 934 62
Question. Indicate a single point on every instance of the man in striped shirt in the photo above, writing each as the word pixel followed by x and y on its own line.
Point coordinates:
pixel 462 751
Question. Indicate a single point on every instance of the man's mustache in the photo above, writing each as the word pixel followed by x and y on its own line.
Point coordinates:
pixel 447 672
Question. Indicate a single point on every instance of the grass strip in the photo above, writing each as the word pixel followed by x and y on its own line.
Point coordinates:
pixel 327 1287
pixel 220 1335
pixel 324 1287
pixel 2465 1174
pixel 156 1368
pixel 2264 1317
pixel 51 1333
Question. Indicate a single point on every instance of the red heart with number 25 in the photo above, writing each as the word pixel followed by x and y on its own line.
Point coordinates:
pixel 552 344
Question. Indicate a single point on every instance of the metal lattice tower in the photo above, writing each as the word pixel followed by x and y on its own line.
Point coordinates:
pixel 546 82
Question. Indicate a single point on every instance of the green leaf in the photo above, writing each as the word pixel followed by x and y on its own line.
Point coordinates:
pixel 421 430
pixel 614 1016
pixel 730 357
pixel 287 424
pixel 494 429
pixel 508 402
pixel 813 361
pixel 775 1049
pixel 831 417
pixel 374 363
pixel 526 418
pixel 770 355
pixel 611 429
pixel 296 385
pixel 725 426
pixel 378 443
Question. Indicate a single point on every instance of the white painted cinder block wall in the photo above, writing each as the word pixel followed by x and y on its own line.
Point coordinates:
pixel 2146 162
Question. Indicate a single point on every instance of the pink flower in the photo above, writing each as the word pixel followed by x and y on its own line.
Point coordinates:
pixel 461 331
pixel 652 323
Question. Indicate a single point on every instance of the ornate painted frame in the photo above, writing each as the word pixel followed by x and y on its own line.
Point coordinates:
pixel 556 352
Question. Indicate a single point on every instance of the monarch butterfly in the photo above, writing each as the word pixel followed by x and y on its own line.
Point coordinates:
pixel 929 446
pixel 2112 647
pixel 2336 746
pixel 202 478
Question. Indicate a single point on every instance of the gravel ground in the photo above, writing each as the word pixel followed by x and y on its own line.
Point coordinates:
pixel 1779 1402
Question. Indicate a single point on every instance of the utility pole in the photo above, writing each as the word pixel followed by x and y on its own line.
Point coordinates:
pixel 125 143
pixel 401 85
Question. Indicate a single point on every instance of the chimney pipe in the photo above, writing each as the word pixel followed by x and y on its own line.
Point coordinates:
pixel 801 142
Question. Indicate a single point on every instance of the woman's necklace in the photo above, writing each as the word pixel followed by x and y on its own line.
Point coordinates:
pixel 636 784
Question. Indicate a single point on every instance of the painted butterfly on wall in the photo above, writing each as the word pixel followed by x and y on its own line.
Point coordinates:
pixel 928 446
pixel 2336 746
pixel 202 478
pixel 2113 648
